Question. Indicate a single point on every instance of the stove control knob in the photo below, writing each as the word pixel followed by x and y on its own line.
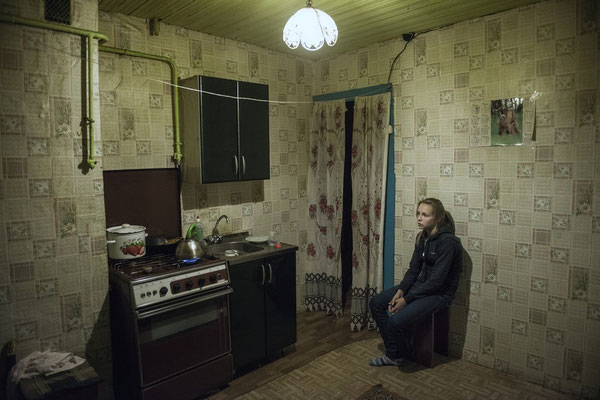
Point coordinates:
pixel 213 278
pixel 189 285
pixel 143 295
pixel 201 282
pixel 176 287
pixel 163 291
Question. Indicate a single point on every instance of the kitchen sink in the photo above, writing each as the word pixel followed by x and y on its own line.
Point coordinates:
pixel 232 248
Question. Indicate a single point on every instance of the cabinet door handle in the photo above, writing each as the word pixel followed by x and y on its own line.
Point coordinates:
pixel 262 267
pixel 243 165
pixel 270 274
pixel 235 161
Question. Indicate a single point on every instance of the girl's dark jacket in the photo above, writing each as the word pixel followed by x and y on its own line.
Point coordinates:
pixel 435 266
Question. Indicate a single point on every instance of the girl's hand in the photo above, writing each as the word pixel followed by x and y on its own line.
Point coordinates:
pixel 392 304
pixel 398 294
pixel 397 306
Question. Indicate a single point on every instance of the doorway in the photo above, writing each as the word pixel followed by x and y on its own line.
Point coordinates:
pixel 346 245
pixel 345 280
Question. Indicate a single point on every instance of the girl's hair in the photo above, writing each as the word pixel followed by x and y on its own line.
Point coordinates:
pixel 441 217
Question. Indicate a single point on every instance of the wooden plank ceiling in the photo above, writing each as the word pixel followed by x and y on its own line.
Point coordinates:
pixel 260 22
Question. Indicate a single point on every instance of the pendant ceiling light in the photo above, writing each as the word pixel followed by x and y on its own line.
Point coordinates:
pixel 311 28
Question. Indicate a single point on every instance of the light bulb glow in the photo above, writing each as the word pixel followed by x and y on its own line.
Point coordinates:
pixel 310 28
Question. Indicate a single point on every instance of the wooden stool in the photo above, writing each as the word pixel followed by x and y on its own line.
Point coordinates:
pixel 429 336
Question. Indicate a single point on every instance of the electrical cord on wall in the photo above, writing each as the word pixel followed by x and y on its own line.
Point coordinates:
pixel 408 37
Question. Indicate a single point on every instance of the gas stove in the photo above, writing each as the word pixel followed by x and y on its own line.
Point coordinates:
pixel 161 277
pixel 169 326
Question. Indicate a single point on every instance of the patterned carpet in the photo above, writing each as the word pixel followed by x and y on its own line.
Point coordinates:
pixel 378 392
pixel 345 374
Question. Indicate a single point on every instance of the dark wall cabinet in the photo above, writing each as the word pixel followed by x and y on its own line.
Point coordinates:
pixel 224 130
pixel 262 308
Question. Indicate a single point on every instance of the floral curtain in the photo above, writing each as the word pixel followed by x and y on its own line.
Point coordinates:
pixel 325 206
pixel 369 166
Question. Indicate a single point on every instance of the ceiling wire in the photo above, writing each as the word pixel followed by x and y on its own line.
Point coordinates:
pixel 175 86
pixel 408 37
pixel 276 102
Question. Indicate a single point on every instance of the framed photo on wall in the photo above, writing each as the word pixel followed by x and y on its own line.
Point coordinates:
pixel 506 122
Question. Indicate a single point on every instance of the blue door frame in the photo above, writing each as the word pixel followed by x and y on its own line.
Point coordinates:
pixel 390 188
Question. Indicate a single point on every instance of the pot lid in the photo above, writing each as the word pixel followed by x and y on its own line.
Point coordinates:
pixel 126 228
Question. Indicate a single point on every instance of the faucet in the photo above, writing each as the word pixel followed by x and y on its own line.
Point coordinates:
pixel 215 237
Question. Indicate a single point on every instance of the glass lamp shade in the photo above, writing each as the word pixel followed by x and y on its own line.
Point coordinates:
pixel 311 28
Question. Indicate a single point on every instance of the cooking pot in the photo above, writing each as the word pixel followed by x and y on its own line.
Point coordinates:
pixel 126 241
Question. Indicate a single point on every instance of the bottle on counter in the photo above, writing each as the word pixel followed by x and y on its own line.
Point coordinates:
pixel 272 240
pixel 198 232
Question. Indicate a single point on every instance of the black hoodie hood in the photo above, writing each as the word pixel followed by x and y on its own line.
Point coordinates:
pixel 444 229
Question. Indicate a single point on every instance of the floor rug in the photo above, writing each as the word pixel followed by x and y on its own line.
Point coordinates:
pixel 378 392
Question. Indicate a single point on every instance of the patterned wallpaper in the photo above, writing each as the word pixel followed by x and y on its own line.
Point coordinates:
pixel 528 216
pixel 53 271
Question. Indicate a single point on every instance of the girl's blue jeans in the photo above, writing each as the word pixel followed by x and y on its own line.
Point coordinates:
pixel 395 329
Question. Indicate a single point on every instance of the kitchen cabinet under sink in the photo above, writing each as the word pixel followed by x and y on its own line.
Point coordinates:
pixel 225 130
pixel 262 307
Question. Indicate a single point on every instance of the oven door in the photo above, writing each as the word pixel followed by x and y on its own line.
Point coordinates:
pixel 175 337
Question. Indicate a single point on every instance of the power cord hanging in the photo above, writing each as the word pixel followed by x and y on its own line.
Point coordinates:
pixel 408 37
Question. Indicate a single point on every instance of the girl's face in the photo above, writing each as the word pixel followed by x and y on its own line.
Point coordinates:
pixel 425 218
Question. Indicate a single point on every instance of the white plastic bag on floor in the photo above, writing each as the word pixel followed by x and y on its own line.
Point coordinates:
pixel 47 363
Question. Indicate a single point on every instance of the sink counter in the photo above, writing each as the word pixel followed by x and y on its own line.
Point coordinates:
pixel 237 241
pixel 266 252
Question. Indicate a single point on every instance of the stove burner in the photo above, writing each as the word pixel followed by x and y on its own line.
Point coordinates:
pixel 157 265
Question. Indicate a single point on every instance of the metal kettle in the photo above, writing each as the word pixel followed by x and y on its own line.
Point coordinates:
pixel 189 249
